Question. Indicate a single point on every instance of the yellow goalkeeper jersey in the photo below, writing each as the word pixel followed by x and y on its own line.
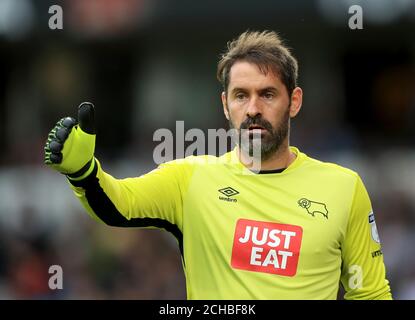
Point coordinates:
pixel 295 234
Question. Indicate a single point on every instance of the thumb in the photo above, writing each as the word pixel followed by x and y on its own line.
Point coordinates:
pixel 86 117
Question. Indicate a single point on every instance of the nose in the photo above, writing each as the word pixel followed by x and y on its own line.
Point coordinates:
pixel 253 108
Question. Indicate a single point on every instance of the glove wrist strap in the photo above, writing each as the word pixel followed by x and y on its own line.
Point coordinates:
pixel 84 172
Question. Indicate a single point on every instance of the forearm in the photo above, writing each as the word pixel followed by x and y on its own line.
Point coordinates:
pixel 151 200
pixel 102 196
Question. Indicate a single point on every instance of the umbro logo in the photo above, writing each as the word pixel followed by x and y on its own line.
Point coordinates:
pixel 229 193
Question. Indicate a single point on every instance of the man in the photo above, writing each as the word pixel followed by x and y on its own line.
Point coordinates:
pixel 293 230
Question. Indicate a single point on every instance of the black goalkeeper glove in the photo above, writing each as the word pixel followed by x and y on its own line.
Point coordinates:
pixel 70 147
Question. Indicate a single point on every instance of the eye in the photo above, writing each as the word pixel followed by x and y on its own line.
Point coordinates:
pixel 240 96
pixel 268 95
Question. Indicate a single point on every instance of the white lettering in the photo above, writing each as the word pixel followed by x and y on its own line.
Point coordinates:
pixel 255 256
pixel 245 239
pixel 288 235
pixel 356 280
pixel 255 236
pixel 166 146
pixel 176 310
pixel 179 139
pixel 271 258
pixel 272 236
pixel 356 20
pixel 56 20
pixel 56 280
pixel 198 145
pixel 223 136
pixel 284 255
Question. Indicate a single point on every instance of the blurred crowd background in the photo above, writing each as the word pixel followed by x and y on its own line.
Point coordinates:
pixel 146 64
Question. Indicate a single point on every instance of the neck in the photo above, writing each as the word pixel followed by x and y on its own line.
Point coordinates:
pixel 282 158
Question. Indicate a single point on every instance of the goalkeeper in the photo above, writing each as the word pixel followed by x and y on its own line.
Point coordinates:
pixel 293 230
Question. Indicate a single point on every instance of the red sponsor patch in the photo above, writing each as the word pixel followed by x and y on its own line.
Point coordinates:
pixel 266 247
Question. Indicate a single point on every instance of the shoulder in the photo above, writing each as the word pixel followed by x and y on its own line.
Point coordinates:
pixel 193 161
pixel 330 170
pixel 188 165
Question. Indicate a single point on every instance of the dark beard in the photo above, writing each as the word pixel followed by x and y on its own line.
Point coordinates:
pixel 271 142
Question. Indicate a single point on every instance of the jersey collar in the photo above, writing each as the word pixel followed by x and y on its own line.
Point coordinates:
pixel 231 158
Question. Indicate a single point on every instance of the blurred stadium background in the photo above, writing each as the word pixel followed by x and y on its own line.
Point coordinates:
pixel 146 64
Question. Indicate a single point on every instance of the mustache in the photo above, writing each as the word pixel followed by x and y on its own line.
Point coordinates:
pixel 257 120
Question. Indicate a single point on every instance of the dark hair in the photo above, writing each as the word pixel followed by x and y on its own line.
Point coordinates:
pixel 266 50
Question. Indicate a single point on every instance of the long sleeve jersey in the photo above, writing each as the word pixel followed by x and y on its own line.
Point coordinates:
pixel 295 234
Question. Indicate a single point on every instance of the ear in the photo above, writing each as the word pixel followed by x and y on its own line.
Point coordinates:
pixel 296 101
pixel 225 105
